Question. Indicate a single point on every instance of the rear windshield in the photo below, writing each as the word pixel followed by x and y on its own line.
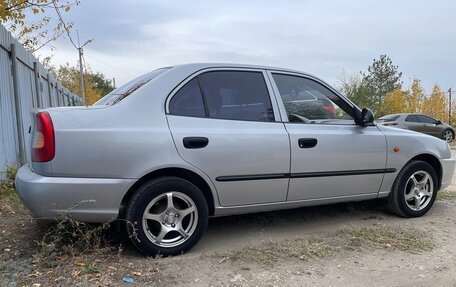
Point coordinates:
pixel 389 118
pixel 124 91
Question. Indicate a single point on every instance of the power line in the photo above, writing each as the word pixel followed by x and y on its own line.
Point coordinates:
pixel 67 30
pixel 109 65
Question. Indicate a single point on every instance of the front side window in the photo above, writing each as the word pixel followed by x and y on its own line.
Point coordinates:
pixel 237 95
pixel 426 119
pixel 307 101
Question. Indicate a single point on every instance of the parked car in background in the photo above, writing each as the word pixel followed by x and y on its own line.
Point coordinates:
pixel 419 123
pixel 177 145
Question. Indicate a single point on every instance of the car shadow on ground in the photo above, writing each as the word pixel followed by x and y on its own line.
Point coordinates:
pixel 238 231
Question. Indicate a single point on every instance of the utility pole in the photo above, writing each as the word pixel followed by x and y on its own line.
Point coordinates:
pixel 449 106
pixel 81 76
pixel 81 69
pixel 114 83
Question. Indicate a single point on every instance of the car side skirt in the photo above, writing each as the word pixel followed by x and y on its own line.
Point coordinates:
pixel 243 209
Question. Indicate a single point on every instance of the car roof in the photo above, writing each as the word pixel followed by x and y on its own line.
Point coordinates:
pixel 406 114
pixel 200 66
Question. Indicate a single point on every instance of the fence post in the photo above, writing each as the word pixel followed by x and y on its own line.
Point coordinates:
pixel 57 92
pixel 49 90
pixel 39 103
pixel 17 106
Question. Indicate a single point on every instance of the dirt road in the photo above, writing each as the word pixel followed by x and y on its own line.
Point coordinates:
pixel 333 245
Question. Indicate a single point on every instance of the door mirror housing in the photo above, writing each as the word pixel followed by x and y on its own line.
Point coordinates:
pixel 438 122
pixel 366 117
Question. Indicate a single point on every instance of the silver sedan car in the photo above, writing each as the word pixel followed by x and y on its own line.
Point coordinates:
pixel 419 123
pixel 180 144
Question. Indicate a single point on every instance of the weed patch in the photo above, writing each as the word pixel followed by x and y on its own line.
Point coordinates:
pixel 446 195
pixel 389 237
pixel 271 252
pixel 9 200
pixel 353 238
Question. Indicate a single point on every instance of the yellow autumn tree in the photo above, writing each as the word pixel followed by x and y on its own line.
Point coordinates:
pixel 395 102
pixel 436 105
pixel 96 84
pixel 415 97
pixel 30 21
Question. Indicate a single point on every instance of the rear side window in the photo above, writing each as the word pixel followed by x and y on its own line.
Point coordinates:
pixel 188 101
pixel 237 95
pixel 412 118
pixel 230 95
pixel 124 91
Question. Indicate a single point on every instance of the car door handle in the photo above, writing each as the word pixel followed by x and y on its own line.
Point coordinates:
pixel 195 142
pixel 307 142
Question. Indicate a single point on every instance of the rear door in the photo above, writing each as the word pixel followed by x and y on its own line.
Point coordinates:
pixel 331 156
pixel 412 123
pixel 224 122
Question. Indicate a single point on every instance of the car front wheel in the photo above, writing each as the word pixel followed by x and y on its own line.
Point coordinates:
pixel 448 136
pixel 167 216
pixel 414 190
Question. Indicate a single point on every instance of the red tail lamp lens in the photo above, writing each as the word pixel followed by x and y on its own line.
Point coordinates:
pixel 43 143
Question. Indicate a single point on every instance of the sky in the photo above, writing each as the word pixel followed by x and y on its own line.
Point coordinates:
pixel 326 38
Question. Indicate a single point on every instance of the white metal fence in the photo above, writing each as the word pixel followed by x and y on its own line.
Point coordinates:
pixel 24 85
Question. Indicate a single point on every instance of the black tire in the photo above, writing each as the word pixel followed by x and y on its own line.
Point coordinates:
pixel 396 199
pixel 154 190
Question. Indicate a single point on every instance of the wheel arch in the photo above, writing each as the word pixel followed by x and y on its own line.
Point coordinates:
pixel 186 174
pixel 433 161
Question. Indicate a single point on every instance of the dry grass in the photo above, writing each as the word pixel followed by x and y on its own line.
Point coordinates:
pixel 389 237
pixel 446 195
pixel 354 238
pixel 10 202
pixel 271 252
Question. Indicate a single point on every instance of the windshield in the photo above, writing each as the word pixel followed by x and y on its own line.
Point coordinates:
pixel 124 91
pixel 388 118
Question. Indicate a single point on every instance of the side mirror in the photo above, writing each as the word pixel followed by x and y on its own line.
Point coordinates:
pixel 438 122
pixel 367 117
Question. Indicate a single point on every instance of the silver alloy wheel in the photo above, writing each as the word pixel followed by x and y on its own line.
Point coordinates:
pixel 448 136
pixel 170 219
pixel 419 190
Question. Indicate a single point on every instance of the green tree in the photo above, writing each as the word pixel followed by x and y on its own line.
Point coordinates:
pixel 20 18
pixel 381 78
pixel 369 89
pixel 351 86
pixel 96 85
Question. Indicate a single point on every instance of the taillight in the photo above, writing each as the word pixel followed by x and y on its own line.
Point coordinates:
pixel 43 142
pixel 330 109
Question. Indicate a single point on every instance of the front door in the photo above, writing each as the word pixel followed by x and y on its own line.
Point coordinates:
pixel 331 156
pixel 224 123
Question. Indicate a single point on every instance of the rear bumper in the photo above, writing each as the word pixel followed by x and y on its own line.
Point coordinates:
pixel 86 199
pixel 448 166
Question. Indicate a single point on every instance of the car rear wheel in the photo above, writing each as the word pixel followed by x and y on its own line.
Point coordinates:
pixel 448 136
pixel 166 216
pixel 414 190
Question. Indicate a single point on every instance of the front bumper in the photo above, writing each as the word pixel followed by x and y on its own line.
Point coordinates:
pixel 86 199
pixel 448 167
